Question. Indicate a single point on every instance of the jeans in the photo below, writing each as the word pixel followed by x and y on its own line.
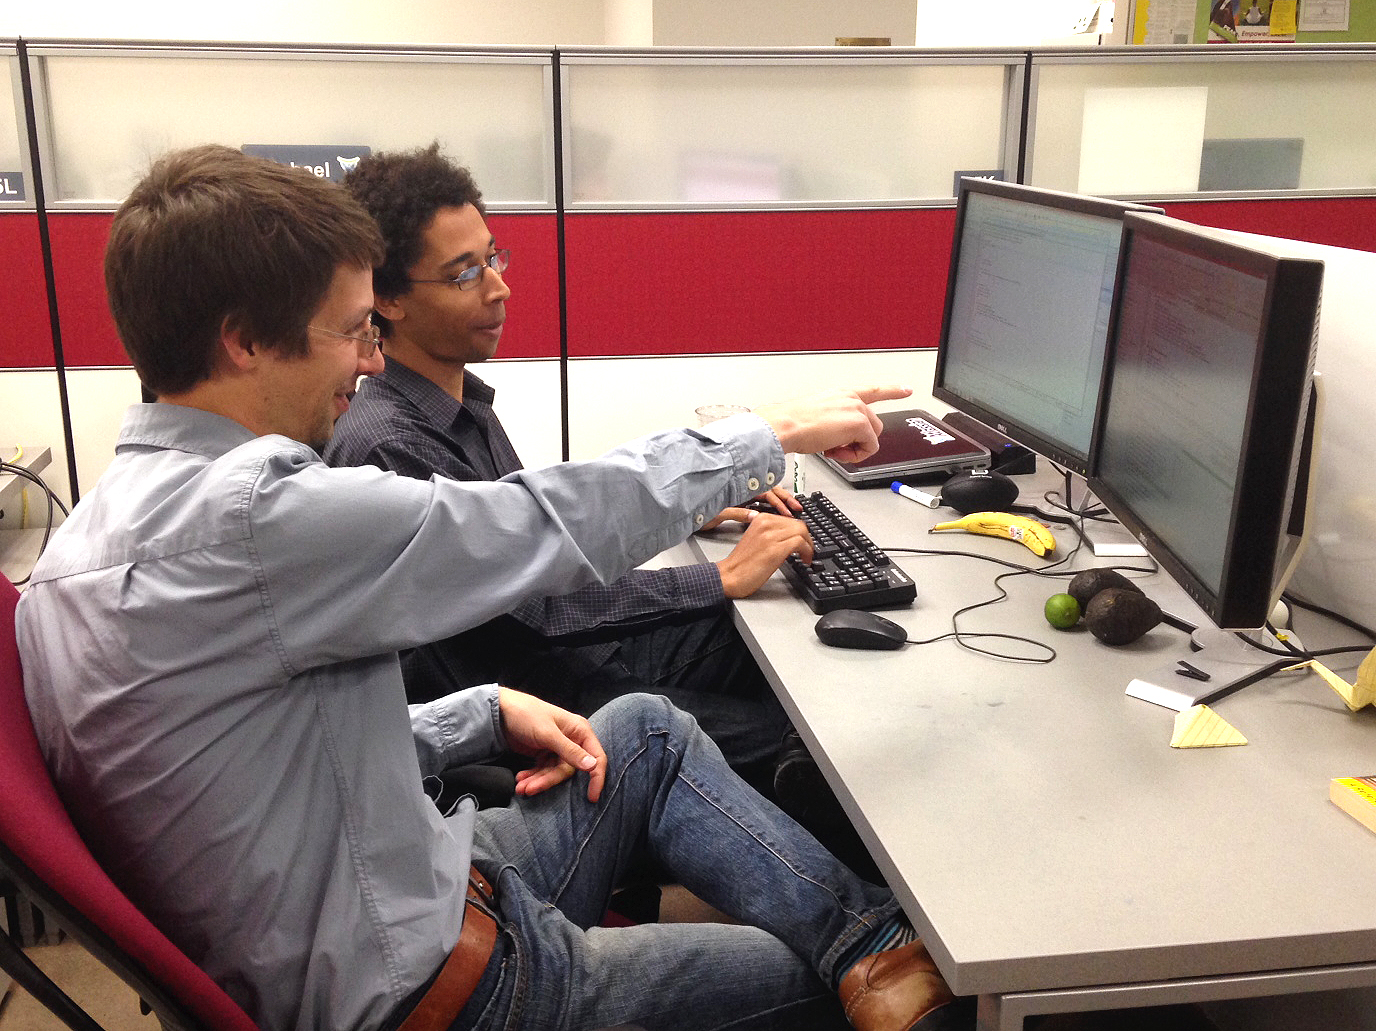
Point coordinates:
pixel 698 661
pixel 555 859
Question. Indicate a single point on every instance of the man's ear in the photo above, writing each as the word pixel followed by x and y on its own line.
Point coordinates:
pixel 237 346
pixel 390 308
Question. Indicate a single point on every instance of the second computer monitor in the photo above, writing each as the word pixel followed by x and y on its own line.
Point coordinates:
pixel 1208 408
pixel 1027 311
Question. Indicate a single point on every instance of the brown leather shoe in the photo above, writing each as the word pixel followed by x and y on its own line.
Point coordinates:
pixel 902 990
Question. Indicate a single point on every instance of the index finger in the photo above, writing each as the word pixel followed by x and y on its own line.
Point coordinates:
pixel 883 393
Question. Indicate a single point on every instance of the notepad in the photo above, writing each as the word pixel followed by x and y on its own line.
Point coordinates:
pixel 1201 727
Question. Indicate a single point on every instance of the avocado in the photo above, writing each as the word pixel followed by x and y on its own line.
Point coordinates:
pixel 1120 615
pixel 1090 582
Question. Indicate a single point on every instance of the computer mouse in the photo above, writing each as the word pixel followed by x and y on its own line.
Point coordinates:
pixel 859 628
pixel 979 490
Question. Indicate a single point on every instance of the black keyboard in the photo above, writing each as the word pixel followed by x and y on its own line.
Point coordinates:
pixel 848 571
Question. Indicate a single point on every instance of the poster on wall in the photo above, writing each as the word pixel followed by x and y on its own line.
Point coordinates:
pixel 1163 22
pixel 1253 21
pixel 1325 16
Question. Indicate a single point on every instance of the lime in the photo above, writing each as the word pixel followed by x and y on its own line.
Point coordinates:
pixel 1062 611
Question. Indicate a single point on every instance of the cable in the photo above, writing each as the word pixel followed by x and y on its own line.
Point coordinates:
pixel 1337 617
pixel 963 637
pixel 53 499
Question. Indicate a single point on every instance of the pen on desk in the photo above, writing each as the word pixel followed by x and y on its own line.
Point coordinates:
pixel 913 494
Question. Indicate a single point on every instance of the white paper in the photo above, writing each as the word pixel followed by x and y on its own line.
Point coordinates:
pixel 1138 140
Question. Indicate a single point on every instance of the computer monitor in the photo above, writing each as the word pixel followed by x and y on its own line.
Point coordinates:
pixel 1207 421
pixel 1027 311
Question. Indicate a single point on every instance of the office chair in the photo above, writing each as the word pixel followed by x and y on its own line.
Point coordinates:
pixel 42 853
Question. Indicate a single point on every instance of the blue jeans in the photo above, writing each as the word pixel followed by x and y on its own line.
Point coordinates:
pixel 555 859
pixel 698 661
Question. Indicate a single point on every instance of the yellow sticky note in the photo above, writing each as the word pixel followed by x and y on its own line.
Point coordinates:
pixel 1283 17
pixel 1201 727
pixel 1357 695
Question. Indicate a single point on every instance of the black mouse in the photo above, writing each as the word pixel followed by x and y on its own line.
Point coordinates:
pixel 979 490
pixel 858 628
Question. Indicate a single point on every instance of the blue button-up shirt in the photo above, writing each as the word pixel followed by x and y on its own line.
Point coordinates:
pixel 209 656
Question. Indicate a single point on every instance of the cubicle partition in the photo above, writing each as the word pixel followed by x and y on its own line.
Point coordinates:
pixel 684 210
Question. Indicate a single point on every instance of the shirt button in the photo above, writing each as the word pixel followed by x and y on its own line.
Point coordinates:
pixel 769 478
pixel 699 519
pixel 753 483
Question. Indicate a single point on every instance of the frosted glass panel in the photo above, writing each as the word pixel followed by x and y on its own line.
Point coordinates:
pixel 111 114
pixel 738 133
pixel 14 189
pixel 1263 120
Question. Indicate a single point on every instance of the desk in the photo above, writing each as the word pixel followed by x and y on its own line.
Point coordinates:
pixel 1052 850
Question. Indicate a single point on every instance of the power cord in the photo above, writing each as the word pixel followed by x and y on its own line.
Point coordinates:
pixel 53 501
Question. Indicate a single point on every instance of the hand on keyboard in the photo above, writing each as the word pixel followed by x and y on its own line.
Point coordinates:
pixel 846 570
pixel 768 541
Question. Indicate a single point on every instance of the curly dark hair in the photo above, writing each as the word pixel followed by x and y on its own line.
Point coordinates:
pixel 402 190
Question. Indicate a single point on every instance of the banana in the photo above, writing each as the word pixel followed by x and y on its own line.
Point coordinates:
pixel 1035 536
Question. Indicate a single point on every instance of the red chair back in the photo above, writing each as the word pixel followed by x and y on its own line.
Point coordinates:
pixel 43 852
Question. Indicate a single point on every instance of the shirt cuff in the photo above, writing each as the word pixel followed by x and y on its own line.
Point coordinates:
pixel 460 728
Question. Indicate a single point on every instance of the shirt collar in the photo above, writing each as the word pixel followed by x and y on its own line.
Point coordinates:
pixel 433 402
pixel 180 428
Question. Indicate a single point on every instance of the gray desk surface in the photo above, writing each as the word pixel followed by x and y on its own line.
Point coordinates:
pixel 1033 819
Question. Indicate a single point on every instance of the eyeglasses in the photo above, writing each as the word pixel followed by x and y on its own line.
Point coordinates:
pixel 470 277
pixel 368 345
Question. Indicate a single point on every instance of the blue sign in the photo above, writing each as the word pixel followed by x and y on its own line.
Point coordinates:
pixel 12 186
pixel 327 161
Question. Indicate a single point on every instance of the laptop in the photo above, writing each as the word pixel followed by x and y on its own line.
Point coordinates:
pixel 915 446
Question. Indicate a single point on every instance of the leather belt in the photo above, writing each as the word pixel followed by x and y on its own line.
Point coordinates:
pixel 454 984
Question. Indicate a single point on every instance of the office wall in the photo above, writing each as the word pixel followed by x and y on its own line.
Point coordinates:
pixel 933 23
pixel 437 22
pixel 769 23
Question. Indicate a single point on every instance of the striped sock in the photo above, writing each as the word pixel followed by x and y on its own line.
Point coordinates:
pixel 893 933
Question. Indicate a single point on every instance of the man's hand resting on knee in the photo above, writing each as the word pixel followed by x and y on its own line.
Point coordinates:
pixel 559 741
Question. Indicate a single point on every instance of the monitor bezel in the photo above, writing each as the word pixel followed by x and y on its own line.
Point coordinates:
pixel 1058 452
pixel 1258 540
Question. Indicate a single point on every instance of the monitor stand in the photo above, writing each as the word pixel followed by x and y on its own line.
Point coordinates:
pixel 1108 538
pixel 1225 661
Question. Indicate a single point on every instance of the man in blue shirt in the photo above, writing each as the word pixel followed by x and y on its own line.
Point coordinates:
pixel 210 659
pixel 441 300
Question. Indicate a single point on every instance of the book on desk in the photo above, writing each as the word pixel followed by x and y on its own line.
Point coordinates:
pixel 1355 796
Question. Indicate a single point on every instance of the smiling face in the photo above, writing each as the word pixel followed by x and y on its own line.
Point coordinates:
pixel 436 323
pixel 304 395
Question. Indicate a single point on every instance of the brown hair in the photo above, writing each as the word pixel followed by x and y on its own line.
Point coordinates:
pixel 211 236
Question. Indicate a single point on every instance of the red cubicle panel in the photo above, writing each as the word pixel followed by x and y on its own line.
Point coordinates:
pixel 713 282
pixel 25 337
pixel 706 282
pixel 1335 221
pixel 88 332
